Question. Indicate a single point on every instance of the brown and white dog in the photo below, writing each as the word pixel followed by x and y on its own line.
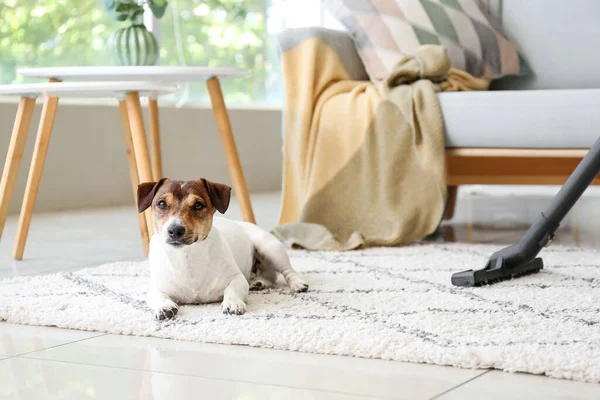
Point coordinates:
pixel 195 258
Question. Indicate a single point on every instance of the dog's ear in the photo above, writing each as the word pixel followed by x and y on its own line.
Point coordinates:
pixel 146 192
pixel 219 193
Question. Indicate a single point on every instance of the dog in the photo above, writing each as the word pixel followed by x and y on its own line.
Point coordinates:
pixel 198 258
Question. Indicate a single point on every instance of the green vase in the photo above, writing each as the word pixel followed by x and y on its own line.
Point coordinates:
pixel 133 45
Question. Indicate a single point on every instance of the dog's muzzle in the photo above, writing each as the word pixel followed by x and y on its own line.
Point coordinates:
pixel 176 236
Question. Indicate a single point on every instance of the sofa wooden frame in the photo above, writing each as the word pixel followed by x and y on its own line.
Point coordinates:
pixel 507 166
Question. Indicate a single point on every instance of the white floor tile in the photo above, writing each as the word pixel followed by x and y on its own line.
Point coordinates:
pixel 72 240
pixel 22 378
pixel 20 339
pixel 329 373
pixel 501 385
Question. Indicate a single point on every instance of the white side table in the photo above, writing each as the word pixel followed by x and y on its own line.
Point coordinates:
pixel 152 170
pixel 127 93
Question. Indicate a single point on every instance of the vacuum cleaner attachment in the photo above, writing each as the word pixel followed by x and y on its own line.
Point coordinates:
pixel 520 259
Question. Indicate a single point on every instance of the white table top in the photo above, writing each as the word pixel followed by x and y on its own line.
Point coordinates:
pixel 87 89
pixel 149 73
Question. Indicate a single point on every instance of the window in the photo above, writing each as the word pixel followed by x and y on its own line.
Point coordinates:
pixel 223 33
pixel 36 33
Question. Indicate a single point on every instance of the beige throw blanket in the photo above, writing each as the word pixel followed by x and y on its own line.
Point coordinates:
pixel 363 165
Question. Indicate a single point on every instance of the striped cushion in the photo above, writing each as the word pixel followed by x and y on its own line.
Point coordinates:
pixel 386 30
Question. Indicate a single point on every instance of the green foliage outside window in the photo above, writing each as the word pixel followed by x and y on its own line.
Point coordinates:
pixel 44 33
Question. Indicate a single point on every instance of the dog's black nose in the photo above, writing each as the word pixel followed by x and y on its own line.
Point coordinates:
pixel 176 232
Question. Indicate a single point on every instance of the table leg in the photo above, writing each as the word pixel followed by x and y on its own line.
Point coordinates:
pixel 155 148
pixel 133 172
pixel 14 155
pixel 140 146
pixel 35 173
pixel 231 154
pixel 451 202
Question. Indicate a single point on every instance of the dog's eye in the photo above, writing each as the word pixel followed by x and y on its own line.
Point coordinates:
pixel 198 206
pixel 162 205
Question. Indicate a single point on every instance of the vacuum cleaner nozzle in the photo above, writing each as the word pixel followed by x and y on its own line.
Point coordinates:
pixel 492 274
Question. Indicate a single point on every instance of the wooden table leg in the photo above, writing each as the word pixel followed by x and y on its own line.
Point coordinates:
pixel 35 173
pixel 14 155
pixel 155 148
pixel 451 202
pixel 231 154
pixel 140 147
pixel 133 172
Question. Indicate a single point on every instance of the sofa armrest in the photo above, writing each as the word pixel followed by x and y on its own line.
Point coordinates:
pixel 340 41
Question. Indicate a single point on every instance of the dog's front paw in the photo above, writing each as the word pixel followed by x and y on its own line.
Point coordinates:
pixel 233 306
pixel 298 286
pixel 166 312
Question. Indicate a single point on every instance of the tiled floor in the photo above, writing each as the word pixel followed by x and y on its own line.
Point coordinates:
pixel 40 362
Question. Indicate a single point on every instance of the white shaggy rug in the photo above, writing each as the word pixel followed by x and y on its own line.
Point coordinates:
pixel 393 303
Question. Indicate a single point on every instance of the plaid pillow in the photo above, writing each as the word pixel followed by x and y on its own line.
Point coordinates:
pixel 386 30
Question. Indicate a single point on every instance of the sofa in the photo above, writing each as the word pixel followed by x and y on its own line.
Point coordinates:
pixel 525 130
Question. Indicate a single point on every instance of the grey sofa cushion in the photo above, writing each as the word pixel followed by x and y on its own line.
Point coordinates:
pixel 558 38
pixel 522 118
